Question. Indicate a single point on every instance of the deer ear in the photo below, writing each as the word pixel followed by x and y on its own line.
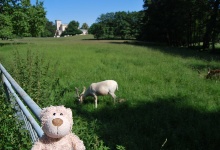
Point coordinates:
pixel 84 89
pixel 77 91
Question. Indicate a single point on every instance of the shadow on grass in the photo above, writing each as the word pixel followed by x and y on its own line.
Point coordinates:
pixel 150 125
pixel 183 52
pixel 11 43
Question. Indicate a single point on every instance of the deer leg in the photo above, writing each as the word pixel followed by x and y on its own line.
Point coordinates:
pixel 96 99
pixel 113 96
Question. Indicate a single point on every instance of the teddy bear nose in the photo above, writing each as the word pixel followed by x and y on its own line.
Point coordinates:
pixel 57 122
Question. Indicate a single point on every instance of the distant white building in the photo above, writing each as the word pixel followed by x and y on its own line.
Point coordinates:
pixel 84 31
pixel 62 27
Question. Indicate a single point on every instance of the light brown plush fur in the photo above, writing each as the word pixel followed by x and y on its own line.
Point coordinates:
pixel 57 124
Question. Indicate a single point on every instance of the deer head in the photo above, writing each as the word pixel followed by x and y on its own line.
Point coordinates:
pixel 80 97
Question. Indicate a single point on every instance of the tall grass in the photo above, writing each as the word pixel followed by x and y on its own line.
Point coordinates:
pixel 167 104
pixel 36 75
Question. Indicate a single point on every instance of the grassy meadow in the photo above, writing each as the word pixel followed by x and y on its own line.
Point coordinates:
pixel 163 102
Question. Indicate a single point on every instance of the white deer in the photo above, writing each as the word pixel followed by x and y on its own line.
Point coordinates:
pixel 98 89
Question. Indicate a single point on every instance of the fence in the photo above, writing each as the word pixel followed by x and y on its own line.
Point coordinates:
pixel 22 103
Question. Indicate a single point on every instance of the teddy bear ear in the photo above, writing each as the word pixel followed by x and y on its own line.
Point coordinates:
pixel 45 110
pixel 42 113
pixel 69 112
pixel 70 116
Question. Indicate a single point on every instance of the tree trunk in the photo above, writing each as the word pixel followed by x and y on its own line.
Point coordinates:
pixel 210 28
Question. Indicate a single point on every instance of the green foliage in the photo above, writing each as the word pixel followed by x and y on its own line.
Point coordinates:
pixel 72 29
pixel 181 22
pixel 37 20
pixel 12 134
pixel 5 26
pixel 119 147
pixel 122 26
pixel 85 26
pixel 20 23
pixel 97 30
pixel 86 131
pixel 21 18
pixel 118 25
pixel 49 30
pixel 36 76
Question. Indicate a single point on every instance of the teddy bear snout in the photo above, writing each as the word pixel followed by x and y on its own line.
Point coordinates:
pixel 57 122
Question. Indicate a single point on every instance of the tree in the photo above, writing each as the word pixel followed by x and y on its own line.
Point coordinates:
pixel 211 28
pixel 176 22
pixel 163 21
pixel 49 30
pixel 7 6
pixel 38 20
pixel 72 29
pixel 97 30
pixel 134 20
pixel 20 23
pixel 85 26
pixel 121 25
pixel 107 23
pixel 20 18
pixel 5 26
pixel 117 25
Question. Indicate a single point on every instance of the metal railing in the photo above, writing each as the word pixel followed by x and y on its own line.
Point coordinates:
pixel 22 103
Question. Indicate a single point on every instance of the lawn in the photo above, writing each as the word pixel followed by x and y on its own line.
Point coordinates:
pixel 166 103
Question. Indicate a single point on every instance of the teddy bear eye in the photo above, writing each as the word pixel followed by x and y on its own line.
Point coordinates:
pixel 54 114
pixel 61 114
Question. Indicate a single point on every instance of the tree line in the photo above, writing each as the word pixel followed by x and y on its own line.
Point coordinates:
pixel 20 18
pixel 182 22
pixel 188 23
pixel 118 25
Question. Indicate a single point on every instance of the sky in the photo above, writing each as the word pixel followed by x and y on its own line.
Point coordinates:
pixel 86 11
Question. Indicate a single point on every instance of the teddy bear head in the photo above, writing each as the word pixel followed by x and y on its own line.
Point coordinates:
pixel 56 121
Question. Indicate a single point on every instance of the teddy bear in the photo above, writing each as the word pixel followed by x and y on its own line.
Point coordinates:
pixel 57 122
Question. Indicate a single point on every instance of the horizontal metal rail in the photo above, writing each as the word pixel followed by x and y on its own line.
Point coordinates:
pixel 11 90
pixel 31 104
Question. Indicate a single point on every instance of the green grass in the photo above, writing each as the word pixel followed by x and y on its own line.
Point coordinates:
pixel 165 97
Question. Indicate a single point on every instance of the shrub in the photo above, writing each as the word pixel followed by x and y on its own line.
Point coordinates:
pixel 12 134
